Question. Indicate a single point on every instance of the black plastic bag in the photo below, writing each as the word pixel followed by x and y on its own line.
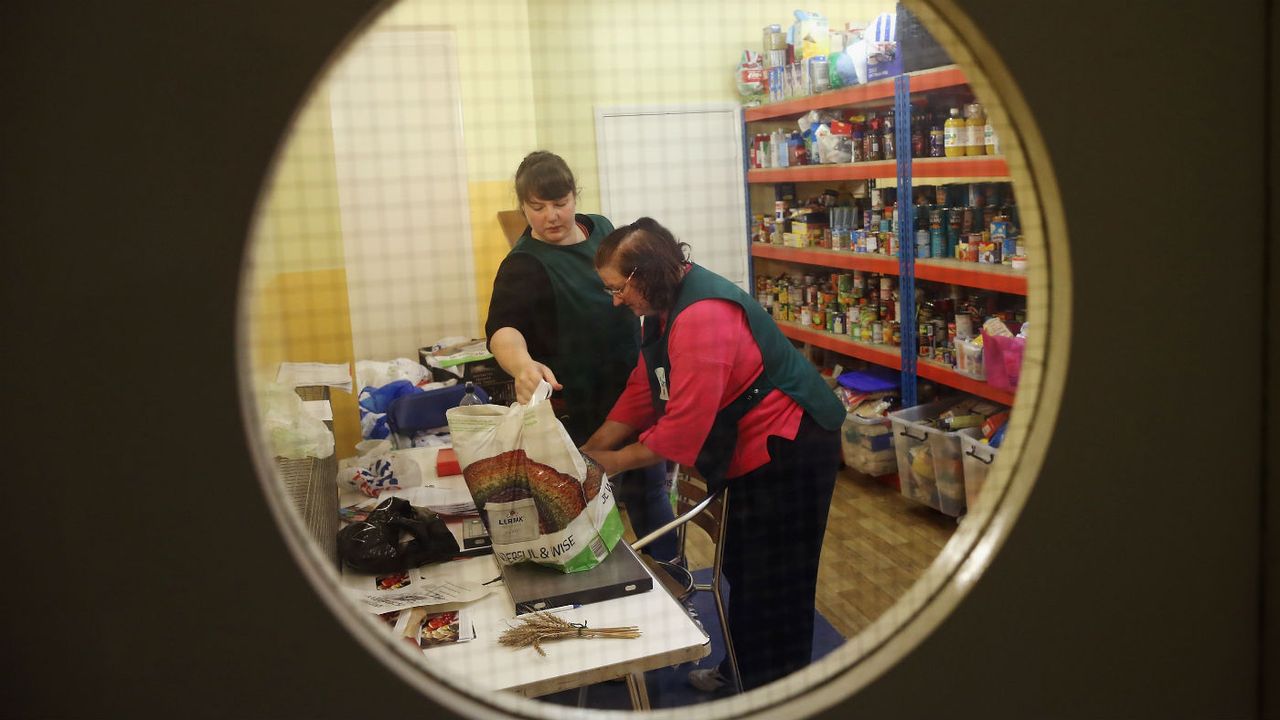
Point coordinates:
pixel 373 545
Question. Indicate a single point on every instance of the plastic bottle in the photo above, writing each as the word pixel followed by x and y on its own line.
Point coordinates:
pixel 975 122
pixel 953 140
pixel 469 397
pixel 888 148
pixel 871 139
pixel 937 143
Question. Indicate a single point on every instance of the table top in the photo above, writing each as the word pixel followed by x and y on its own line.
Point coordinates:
pixel 668 635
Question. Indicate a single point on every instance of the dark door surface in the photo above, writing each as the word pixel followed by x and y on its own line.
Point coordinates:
pixel 135 138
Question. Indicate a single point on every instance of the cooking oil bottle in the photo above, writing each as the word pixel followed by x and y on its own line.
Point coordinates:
pixel 952 129
pixel 975 124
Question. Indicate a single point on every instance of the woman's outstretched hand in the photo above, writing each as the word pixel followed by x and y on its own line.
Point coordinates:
pixel 528 378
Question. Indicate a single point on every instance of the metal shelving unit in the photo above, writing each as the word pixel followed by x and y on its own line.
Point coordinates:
pixel 903 171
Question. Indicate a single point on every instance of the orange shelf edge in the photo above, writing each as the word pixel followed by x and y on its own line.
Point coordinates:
pixel 921 81
pixel 976 166
pixel 922 168
pixel 836 343
pixel 972 275
pixel 892 360
pixel 975 276
pixel 878 169
pixel 951 378
pixel 883 264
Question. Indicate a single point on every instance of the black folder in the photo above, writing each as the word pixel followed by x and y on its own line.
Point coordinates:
pixel 535 587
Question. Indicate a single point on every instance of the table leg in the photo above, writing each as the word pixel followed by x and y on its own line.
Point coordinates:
pixel 639 691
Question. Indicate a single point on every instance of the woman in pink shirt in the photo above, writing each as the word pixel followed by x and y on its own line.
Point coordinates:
pixel 718 387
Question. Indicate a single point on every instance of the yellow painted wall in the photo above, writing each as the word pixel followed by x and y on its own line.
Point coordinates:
pixel 297 309
pixel 661 52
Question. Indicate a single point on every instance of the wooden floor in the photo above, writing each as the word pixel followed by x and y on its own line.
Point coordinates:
pixel 877 544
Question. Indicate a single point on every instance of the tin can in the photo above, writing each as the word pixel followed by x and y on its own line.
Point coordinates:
pixel 837 323
pixel 923 245
pixel 806 316
pixel 877 333
pixel 819 317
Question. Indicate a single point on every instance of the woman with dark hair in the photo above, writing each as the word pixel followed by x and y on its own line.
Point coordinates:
pixel 549 320
pixel 718 387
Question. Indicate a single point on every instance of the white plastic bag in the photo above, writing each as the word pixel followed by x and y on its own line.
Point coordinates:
pixel 376 468
pixel 540 499
pixel 294 432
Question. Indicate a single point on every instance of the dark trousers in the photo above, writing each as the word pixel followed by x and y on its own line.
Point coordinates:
pixel 777 517
pixel 644 492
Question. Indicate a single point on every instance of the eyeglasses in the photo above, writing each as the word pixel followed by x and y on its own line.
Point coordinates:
pixel 619 291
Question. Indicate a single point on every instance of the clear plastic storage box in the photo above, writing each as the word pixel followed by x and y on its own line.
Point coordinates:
pixel 978 457
pixel 868 445
pixel 930 468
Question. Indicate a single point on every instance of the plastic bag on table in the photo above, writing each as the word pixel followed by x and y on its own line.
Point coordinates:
pixel 541 500
pixel 374 545
pixel 377 468
pixel 294 432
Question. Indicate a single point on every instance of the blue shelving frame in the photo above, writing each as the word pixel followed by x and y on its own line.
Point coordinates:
pixel 906 236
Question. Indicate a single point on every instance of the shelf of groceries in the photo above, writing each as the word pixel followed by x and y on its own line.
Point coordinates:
pixel 889 356
pixel 986 167
pixel 877 90
pixel 1000 278
pixel 935 292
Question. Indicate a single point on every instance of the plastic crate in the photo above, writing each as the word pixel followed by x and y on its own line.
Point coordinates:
pixel 948 468
pixel 978 458
pixel 929 460
pixel 867 445
pixel 917 478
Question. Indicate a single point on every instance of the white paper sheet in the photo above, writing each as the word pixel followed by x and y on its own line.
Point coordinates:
pixel 420 593
pixel 336 375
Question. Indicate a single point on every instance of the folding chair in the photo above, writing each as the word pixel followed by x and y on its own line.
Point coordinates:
pixel 694 504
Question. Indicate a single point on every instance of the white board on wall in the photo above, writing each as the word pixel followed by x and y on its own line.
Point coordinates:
pixel 402 190
pixel 681 165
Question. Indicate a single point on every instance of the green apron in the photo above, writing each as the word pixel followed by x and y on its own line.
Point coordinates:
pixel 784 368
pixel 597 343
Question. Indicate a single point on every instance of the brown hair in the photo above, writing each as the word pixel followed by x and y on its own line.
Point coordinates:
pixel 655 256
pixel 545 176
